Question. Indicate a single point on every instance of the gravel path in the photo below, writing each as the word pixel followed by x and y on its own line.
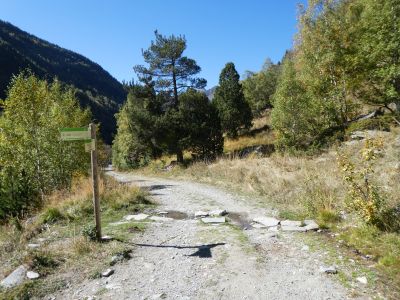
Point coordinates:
pixel 186 259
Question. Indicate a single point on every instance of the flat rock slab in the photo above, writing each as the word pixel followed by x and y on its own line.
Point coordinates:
pixel 16 278
pixel 139 217
pixel 290 223
pixel 310 225
pixel 267 221
pixel 162 219
pixel 214 220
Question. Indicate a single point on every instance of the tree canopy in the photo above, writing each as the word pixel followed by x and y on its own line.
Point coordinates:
pixel 171 71
pixel 33 160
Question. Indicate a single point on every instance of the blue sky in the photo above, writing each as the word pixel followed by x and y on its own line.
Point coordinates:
pixel 112 33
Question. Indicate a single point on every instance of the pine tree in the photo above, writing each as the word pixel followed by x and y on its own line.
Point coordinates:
pixel 172 74
pixel 233 110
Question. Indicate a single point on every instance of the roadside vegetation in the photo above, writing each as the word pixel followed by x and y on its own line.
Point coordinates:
pixel 58 240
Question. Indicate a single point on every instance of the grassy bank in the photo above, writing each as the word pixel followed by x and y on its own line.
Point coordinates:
pixel 63 231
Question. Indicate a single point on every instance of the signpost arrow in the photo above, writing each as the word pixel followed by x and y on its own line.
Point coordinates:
pixel 75 134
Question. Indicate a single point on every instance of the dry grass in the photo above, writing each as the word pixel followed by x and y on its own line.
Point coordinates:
pixel 260 134
pixel 313 187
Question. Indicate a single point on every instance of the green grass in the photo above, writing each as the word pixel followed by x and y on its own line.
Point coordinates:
pixel 383 247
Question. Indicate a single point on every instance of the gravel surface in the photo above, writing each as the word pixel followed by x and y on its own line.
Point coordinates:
pixel 187 259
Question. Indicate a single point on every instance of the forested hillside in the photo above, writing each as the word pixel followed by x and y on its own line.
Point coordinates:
pixel 96 87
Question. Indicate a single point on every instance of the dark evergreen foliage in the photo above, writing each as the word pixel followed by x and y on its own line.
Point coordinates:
pixel 233 110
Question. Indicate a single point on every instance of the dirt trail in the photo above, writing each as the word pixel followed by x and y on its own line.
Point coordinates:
pixel 186 259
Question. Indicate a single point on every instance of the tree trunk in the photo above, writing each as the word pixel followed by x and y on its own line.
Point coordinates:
pixel 175 86
pixel 179 156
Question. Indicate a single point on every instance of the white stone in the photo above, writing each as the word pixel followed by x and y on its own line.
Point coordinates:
pixel 139 217
pixel 33 246
pixel 266 221
pixel 16 278
pixel 362 280
pixel 218 212
pixel 214 220
pixel 162 219
pixel 290 223
pixel 32 275
pixel 107 273
pixel 201 214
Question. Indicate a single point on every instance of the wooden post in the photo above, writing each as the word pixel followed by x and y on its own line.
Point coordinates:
pixel 95 181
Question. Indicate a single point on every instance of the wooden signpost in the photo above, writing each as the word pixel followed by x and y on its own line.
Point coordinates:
pixel 88 135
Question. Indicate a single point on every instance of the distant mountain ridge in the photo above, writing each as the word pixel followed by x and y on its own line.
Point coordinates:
pixel 210 92
pixel 97 89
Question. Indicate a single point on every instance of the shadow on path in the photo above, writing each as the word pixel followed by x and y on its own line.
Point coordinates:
pixel 203 251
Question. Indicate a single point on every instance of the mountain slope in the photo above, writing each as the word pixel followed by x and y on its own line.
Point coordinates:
pixel 210 92
pixel 96 87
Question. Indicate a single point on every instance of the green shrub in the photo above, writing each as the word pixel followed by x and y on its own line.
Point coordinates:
pixel 381 123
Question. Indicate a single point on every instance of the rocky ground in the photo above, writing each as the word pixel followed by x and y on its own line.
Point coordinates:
pixel 181 257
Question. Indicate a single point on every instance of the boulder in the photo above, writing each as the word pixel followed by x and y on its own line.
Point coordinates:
pixel 267 221
pixel 214 220
pixel 16 278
